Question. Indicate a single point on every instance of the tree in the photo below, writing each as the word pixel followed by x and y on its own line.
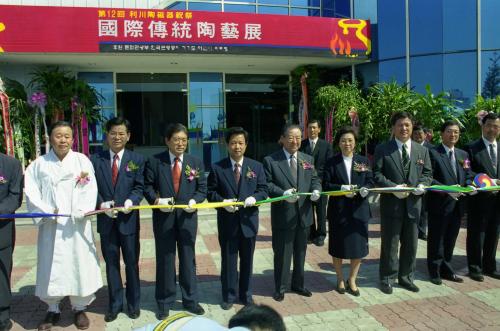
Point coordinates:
pixel 491 87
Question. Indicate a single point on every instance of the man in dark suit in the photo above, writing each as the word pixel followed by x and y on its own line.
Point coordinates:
pixel 321 152
pixel 483 217
pixel 289 171
pixel 175 177
pixel 450 166
pixel 11 196
pixel 120 182
pixel 237 178
pixel 398 163
pixel 419 136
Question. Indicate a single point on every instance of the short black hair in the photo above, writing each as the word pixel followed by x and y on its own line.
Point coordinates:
pixel 59 124
pixel 491 116
pixel 236 130
pixel 400 115
pixel 173 128
pixel 116 121
pixel 417 126
pixel 344 130
pixel 448 123
pixel 289 127
pixel 315 120
pixel 258 316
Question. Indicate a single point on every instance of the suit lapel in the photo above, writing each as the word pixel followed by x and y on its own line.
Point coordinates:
pixel 396 157
pixel 285 168
pixel 243 177
pixel 228 173
pixel 498 160
pixel 341 169
pixel 166 172
pixel 300 170
pixel 447 162
pixel 105 165
pixel 123 167
pixel 485 156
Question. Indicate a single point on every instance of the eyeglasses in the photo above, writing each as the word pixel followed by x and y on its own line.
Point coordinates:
pixel 117 134
pixel 179 140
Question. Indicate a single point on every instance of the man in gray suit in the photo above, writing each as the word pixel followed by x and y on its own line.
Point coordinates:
pixel 398 163
pixel 289 171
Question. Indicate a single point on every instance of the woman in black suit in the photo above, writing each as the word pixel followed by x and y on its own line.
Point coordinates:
pixel 348 215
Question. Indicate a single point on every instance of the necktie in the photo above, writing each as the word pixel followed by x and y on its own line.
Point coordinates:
pixel 237 173
pixel 176 174
pixel 114 170
pixel 453 162
pixel 406 161
pixel 493 156
pixel 312 145
pixel 293 168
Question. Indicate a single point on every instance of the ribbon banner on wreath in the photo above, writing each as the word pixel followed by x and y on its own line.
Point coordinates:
pixel 38 101
pixel 7 128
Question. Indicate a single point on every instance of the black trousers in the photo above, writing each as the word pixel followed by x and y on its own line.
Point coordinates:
pixel 166 244
pixel 482 241
pixel 396 231
pixel 318 228
pixel 423 220
pixel 230 249
pixel 111 245
pixel 5 291
pixel 443 233
pixel 288 243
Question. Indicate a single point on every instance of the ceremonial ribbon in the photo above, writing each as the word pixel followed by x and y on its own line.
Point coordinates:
pixel 208 205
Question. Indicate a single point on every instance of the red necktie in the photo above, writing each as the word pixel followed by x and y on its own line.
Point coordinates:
pixel 114 170
pixel 237 174
pixel 176 175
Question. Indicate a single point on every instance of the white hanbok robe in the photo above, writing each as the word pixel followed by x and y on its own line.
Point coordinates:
pixel 68 264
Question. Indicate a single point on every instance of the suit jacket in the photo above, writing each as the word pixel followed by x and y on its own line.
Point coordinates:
pixel 428 145
pixel 222 185
pixel 388 172
pixel 11 196
pixel 322 153
pixel 342 208
pixel 284 215
pixel 483 203
pixel 441 203
pixel 158 184
pixel 129 185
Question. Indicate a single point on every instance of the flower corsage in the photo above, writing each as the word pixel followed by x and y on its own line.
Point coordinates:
pixel 191 173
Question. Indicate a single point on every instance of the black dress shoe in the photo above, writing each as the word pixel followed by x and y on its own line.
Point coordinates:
pixel 436 281
pixel 319 242
pixel 409 286
pixel 226 305
pixel 476 276
pixel 453 278
pixel 195 309
pixel 134 314
pixel 162 314
pixel 247 302
pixel 110 316
pixel 302 291
pixel 50 320
pixel 351 291
pixel 493 274
pixel 386 288
pixel 5 325
pixel 279 296
pixel 422 236
pixel 341 290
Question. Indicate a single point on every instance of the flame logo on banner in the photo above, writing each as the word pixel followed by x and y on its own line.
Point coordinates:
pixel 2 28
pixel 339 46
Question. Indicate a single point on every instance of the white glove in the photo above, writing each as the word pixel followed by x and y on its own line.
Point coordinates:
pixel 230 209
pixel 348 188
pixel 78 214
pixel 363 192
pixel 401 195
pixel 249 202
pixel 107 205
pixel 497 181
pixel 292 199
pixel 345 187
pixel 474 190
pixel 316 194
pixel 190 208
pixel 419 190
pixel 126 206
pixel 455 195
pixel 164 202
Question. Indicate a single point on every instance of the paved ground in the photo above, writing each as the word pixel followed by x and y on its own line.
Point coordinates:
pixel 467 306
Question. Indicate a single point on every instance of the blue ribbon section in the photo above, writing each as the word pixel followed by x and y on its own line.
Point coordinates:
pixel 31 215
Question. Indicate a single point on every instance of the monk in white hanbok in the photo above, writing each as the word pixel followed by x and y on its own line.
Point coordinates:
pixel 63 182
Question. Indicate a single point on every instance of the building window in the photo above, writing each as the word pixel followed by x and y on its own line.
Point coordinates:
pixel 239 8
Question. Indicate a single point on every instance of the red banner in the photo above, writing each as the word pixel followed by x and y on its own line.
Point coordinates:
pixel 34 29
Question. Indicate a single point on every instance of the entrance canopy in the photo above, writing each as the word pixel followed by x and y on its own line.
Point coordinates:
pixel 147 39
